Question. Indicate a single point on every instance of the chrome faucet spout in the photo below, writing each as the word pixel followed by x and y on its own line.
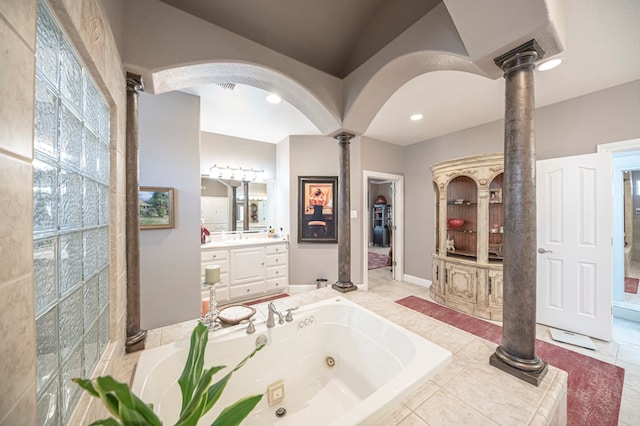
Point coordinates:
pixel 271 318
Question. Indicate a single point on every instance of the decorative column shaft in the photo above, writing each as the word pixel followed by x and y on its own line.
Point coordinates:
pixel 234 208
pixel 344 283
pixel 245 204
pixel 517 354
pixel 135 336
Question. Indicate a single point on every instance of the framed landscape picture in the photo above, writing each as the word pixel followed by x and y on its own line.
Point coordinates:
pixel 155 206
pixel 318 209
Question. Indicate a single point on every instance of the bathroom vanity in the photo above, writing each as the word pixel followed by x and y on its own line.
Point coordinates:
pixel 249 268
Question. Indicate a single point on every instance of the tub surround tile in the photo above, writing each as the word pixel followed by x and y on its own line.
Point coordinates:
pixel 502 407
pixel 393 416
pixel 444 408
pixel 17 68
pixel 22 15
pixel 24 412
pixel 16 226
pixel 421 395
pixel 457 394
pixel 477 351
pixel 17 345
pixel 449 372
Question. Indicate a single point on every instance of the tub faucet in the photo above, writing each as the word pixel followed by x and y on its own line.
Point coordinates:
pixel 270 318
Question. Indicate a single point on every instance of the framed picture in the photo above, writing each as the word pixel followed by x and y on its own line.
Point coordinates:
pixel 155 207
pixel 317 209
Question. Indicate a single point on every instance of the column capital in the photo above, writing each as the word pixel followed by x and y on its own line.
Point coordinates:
pixel 344 137
pixel 134 83
pixel 522 57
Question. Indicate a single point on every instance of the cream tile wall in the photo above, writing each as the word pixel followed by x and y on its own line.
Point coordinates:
pixel 90 31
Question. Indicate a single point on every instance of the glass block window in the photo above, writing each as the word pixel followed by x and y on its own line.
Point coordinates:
pixel 70 221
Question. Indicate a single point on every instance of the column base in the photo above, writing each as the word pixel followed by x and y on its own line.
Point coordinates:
pixel 344 287
pixel 531 371
pixel 136 342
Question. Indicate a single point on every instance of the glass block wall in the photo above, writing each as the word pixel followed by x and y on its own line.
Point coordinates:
pixel 70 221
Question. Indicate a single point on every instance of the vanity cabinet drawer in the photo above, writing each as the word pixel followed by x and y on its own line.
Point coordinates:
pixel 276 249
pixel 277 259
pixel 246 290
pixel 277 284
pixel 214 256
pixel 277 272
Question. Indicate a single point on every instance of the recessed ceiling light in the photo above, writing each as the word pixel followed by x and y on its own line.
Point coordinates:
pixel 550 64
pixel 416 117
pixel 274 99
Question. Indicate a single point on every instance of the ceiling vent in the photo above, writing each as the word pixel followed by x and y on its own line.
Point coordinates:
pixel 227 86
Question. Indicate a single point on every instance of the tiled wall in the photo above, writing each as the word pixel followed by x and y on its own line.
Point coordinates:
pixel 83 21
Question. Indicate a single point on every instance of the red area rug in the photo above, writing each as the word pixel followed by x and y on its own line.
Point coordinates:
pixel 377 260
pixel 594 386
pixel 631 285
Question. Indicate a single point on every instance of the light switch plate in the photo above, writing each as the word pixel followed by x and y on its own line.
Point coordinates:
pixel 354 214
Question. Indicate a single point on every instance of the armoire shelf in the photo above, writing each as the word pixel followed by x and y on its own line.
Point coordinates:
pixel 467 260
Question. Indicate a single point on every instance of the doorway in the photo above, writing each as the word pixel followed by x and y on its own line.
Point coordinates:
pixel 628 306
pixel 625 157
pixel 382 225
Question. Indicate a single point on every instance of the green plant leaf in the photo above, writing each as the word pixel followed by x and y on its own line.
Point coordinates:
pixel 122 403
pixel 86 385
pixel 106 422
pixel 214 392
pixel 234 414
pixel 196 406
pixel 192 371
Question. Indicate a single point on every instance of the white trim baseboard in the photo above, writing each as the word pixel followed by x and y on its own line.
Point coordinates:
pixel 417 280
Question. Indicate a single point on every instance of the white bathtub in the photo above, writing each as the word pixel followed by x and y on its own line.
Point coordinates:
pixel 377 364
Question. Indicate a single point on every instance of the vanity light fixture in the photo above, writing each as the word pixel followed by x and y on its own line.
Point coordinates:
pixel 240 173
pixel 416 117
pixel 274 99
pixel 549 64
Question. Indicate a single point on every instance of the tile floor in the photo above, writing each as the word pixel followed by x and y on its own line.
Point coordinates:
pixel 419 408
pixel 623 350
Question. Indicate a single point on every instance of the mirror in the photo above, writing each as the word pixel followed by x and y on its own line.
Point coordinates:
pixel 218 198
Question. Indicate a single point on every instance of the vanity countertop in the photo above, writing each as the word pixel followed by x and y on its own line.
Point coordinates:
pixel 248 242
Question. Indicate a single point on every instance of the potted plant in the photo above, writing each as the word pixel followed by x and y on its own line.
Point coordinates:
pixel 198 396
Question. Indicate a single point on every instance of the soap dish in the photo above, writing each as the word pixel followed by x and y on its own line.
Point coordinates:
pixel 233 314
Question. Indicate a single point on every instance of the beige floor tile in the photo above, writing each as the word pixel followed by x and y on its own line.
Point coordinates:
pixel 444 409
pixel 412 420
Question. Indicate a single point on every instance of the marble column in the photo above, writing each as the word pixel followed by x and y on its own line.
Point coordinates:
pixel 135 336
pixel 245 205
pixel 516 355
pixel 344 283
pixel 234 208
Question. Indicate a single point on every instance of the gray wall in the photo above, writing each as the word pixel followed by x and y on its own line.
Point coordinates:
pixel 567 128
pixel 319 156
pixel 169 136
pixel 231 151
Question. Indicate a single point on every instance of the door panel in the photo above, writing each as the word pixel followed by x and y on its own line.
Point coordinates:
pixel 574 290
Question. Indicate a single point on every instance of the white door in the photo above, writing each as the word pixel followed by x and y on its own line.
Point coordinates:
pixel 574 289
